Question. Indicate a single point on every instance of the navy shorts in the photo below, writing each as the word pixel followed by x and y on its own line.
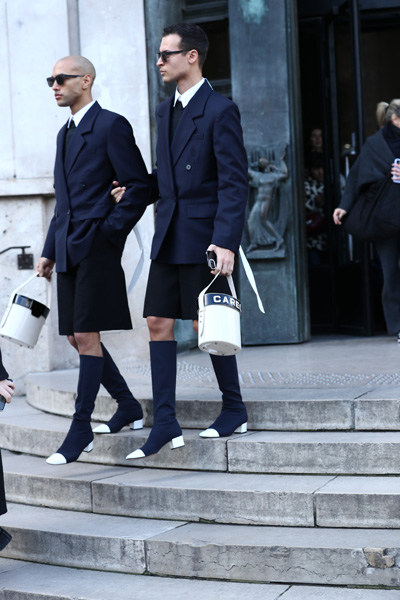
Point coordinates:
pixel 92 295
pixel 172 290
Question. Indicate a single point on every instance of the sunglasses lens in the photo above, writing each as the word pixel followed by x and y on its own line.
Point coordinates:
pixel 50 81
pixel 60 79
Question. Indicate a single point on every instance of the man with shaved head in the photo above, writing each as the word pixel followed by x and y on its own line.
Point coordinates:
pixel 85 241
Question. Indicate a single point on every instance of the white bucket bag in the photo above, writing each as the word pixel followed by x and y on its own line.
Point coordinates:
pixel 24 317
pixel 219 316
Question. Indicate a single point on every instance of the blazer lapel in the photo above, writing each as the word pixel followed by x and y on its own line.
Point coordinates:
pixel 187 125
pixel 78 139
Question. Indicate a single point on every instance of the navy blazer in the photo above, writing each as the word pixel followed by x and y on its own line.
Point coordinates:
pixel 101 149
pixel 202 179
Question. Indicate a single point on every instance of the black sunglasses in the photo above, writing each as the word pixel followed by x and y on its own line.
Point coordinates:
pixel 60 79
pixel 165 53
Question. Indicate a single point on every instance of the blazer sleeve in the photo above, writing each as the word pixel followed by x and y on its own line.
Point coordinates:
pixel 49 249
pixel 231 160
pixel 131 172
pixel 3 372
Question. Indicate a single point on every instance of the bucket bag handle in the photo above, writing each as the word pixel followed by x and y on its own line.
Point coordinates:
pixel 17 289
pixel 250 277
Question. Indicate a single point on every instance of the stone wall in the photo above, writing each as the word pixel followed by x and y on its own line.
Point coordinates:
pixel 33 36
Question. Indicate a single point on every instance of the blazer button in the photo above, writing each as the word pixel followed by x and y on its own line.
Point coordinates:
pixel 68 212
pixel 188 167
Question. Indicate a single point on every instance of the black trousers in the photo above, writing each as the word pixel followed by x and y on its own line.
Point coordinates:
pixel 389 255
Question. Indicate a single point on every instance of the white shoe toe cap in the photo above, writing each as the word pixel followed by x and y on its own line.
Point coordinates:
pixel 56 459
pixel 103 428
pixel 136 454
pixel 209 433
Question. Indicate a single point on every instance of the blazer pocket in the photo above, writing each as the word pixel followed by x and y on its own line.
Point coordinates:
pixel 202 211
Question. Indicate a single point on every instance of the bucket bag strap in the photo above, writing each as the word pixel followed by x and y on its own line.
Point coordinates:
pixel 250 277
pixel 17 289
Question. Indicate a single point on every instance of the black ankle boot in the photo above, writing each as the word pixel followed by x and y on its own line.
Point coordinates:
pixel 129 411
pixel 163 376
pixel 233 416
pixel 80 434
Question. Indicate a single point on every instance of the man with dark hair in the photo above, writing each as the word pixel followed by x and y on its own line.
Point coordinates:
pixel 85 241
pixel 202 190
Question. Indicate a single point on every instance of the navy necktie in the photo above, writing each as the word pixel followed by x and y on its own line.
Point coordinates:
pixel 69 134
pixel 177 112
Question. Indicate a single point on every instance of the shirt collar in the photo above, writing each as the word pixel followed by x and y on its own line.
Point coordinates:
pixel 188 95
pixel 78 116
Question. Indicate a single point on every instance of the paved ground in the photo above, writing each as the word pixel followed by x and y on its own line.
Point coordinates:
pixel 325 361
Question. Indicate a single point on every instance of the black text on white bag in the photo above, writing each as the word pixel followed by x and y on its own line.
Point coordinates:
pixel 219 321
pixel 219 316
pixel 24 317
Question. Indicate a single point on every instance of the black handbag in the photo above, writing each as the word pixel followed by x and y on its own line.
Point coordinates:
pixel 375 214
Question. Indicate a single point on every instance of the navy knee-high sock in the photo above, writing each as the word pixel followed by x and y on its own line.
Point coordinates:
pixel 233 412
pixel 163 377
pixel 80 433
pixel 129 409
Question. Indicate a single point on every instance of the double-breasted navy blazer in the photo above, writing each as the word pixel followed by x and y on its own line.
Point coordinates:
pixel 202 179
pixel 101 149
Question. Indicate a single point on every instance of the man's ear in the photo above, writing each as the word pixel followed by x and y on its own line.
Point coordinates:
pixel 87 81
pixel 193 56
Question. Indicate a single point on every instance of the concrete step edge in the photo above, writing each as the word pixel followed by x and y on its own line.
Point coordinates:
pixel 32 581
pixel 281 500
pixel 258 554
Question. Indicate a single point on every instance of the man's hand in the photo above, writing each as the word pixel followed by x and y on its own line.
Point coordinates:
pixel 7 388
pixel 225 260
pixel 338 215
pixel 395 172
pixel 117 192
pixel 44 267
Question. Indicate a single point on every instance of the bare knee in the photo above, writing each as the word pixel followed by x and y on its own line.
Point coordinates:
pixel 160 328
pixel 72 341
pixel 196 326
pixel 88 343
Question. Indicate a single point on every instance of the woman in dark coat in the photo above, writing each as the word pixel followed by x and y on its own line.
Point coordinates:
pixel 6 390
pixel 375 162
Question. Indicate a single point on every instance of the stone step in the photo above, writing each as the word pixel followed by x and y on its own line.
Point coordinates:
pixel 280 500
pixel 362 557
pixel 32 581
pixel 269 408
pixel 22 580
pixel 25 429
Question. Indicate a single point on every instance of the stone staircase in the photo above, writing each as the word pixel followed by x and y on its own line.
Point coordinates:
pixel 307 498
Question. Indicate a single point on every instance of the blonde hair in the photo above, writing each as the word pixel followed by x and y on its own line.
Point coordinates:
pixel 384 111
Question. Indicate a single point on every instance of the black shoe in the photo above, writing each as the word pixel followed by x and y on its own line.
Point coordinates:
pixel 5 538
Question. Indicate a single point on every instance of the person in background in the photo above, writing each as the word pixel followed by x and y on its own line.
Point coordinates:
pixel 7 388
pixel 375 162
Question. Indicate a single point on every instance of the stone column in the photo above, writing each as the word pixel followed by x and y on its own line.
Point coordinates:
pixel 265 85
